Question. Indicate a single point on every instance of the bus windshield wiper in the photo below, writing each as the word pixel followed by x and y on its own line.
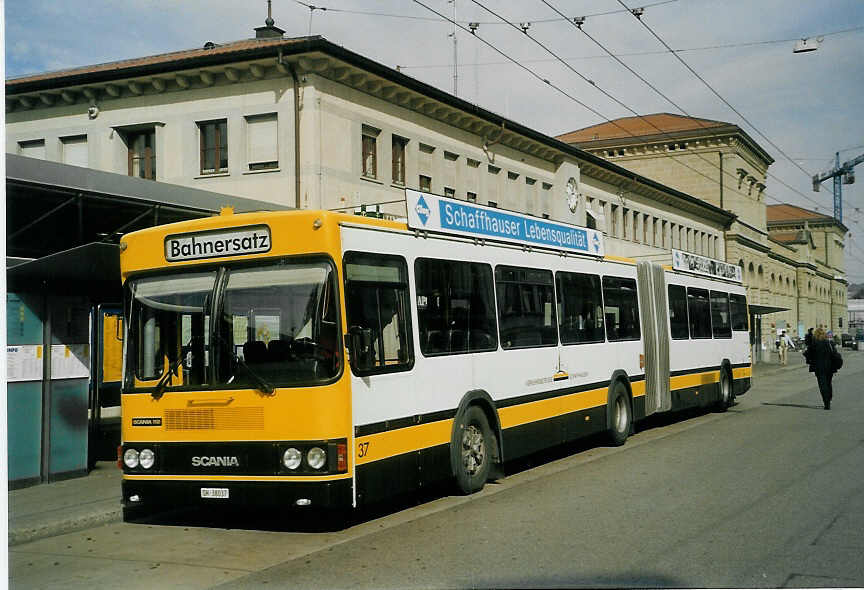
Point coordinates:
pixel 262 383
pixel 163 382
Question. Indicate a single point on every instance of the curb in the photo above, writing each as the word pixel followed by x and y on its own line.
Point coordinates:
pixel 25 534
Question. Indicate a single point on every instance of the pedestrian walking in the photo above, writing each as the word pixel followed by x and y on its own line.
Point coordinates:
pixel 784 344
pixel 808 337
pixel 821 356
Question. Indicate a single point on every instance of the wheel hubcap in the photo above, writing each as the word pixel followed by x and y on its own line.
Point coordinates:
pixel 620 415
pixel 473 449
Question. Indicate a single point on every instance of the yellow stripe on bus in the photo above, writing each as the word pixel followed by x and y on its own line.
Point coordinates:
pixel 742 372
pixel 382 445
pixel 549 408
pixel 694 380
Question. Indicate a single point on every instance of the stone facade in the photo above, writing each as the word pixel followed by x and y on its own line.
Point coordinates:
pixel 719 163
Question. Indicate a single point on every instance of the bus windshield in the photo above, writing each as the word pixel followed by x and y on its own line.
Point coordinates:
pixel 276 326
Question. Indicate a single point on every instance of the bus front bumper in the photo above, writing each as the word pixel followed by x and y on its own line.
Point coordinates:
pixel 156 495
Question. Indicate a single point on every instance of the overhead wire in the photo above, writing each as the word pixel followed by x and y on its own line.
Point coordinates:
pixel 636 53
pixel 711 88
pixel 619 102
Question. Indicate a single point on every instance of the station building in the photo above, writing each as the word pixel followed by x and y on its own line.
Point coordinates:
pixel 791 258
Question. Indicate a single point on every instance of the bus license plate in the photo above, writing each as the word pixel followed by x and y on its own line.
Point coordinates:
pixel 214 492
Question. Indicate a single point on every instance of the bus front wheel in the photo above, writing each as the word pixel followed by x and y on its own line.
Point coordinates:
pixel 472 455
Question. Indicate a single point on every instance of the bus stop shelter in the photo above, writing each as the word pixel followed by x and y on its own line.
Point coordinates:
pixel 63 225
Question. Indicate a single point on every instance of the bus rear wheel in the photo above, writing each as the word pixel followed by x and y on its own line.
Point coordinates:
pixel 727 398
pixel 620 417
pixel 473 452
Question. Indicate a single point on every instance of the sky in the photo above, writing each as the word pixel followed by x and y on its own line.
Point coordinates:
pixel 738 64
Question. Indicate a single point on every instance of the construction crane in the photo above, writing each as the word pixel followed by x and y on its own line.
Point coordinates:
pixel 842 174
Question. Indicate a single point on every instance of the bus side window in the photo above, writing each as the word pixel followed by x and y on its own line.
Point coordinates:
pixel 578 301
pixel 621 306
pixel 699 309
pixel 678 323
pixel 376 302
pixel 455 307
pixel 526 307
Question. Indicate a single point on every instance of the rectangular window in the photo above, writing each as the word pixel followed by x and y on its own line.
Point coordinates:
pixel 580 308
pixel 678 323
pixel 621 309
pixel 425 183
pixel 214 146
pixel 455 307
pixel 376 301
pixel 526 307
pixel 699 310
pixel 75 150
pixel 426 148
pixel 738 308
pixel 720 322
pixel 449 192
pixel 262 149
pixel 370 152
pixel 32 149
pixel 512 175
pixel 493 169
pixel 472 197
pixel 142 153
pixel 492 203
pixel 399 145
pixel 450 156
pixel 472 163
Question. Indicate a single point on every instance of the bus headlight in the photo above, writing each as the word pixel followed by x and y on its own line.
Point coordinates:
pixel 292 458
pixel 316 457
pixel 130 458
pixel 146 458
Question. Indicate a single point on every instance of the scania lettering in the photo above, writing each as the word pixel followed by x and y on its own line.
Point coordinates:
pixel 215 462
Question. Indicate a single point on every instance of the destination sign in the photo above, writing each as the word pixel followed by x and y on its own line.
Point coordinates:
pixel 254 239
pixel 702 265
pixel 442 214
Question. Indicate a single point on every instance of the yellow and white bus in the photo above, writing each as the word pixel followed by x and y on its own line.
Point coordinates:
pixel 313 358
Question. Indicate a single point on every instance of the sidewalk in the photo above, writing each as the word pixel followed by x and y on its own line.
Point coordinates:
pixel 52 509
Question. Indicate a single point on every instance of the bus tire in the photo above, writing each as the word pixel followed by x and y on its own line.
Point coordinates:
pixel 620 414
pixel 726 396
pixel 472 451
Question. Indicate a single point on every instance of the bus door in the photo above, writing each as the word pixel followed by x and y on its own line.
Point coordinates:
pixel 651 283
pixel 104 401
pixel 378 312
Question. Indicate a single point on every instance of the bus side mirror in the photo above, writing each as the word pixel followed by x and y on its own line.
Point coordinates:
pixel 359 341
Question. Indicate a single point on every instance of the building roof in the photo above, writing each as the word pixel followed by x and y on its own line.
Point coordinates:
pixel 791 237
pixel 131 67
pixel 787 212
pixel 656 127
pixel 639 127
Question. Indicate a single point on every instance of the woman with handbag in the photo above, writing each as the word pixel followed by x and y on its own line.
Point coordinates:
pixel 824 360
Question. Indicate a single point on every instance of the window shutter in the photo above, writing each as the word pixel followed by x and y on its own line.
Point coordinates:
pixel 262 133
pixel 75 151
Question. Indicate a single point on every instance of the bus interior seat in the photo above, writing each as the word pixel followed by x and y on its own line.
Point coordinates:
pixel 279 350
pixel 254 351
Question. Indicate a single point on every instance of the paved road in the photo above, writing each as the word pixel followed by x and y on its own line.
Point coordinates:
pixel 767 495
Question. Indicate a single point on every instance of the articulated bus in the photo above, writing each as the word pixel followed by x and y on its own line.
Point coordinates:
pixel 313 358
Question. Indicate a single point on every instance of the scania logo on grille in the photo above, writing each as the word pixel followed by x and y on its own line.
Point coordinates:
pixel 215 462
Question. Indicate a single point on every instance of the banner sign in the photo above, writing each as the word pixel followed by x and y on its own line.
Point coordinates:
pixel 254 239
pixel 702 265
pixel 442 214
